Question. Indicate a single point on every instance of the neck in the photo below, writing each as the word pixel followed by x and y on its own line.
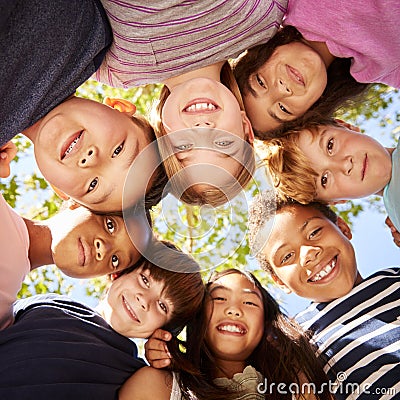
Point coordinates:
pixel 212 71
pixel 322 49
pixel 227 368
pixel 39 243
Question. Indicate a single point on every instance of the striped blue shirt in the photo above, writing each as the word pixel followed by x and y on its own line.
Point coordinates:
pixel 358 337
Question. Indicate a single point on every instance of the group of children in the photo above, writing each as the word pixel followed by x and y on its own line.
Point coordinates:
pixel 284 88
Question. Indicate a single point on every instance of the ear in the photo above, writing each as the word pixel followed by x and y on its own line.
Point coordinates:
pixel 341 223
pixel 59 193
pixel 248 129
pixel 121 105
pixel 279 283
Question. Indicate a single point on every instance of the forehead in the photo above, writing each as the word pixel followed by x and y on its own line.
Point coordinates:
pixel 289 222
pixel 235 283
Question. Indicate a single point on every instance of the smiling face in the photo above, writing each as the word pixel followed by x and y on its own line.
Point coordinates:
pixel 316 261
pixel 285 87
pixel 88 245
pixel 236 318
pixel 85 149
pixel 349 164
pixel 136 305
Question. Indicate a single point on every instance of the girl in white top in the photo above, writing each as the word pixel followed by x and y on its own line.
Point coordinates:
pixel 240 347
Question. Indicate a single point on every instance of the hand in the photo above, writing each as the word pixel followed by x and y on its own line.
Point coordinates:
pixel 7 153
pixel 347 125
pixel 395 232
pixel 156 350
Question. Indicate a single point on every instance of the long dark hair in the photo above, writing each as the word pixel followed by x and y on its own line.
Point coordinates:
pixel 341 89
pixel 281 361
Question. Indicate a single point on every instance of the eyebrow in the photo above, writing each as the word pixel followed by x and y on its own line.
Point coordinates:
pixel 249 291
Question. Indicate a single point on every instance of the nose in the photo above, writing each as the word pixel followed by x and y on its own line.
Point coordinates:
pixel 88 157
pixel 284 88
pixel 204 124
pixel 308 255
pixel 233 311
pixel 347 165
pixel 143 302
pixel 101 248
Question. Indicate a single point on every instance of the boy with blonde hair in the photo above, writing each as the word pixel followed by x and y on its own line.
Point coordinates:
pixel 329 162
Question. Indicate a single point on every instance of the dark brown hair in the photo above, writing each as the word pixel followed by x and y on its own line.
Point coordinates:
pixel 277 362
pixel 341 87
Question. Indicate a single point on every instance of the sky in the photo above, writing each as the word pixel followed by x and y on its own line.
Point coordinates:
pixel 372 239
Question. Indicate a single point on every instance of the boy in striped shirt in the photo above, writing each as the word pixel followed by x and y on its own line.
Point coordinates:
pixel 353 321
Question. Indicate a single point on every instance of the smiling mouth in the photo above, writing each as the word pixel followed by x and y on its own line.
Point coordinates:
pixel 203 106
pixel 364 168
pixel 129 309
pixel 232 328
pixel 324 271
pixel 295 75
pixel 70 144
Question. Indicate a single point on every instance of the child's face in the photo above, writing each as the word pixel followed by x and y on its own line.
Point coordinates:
pixel 285 87
pixel 136 304
pixel 206 103
pixel 310 255
pixel 349 164
pixel 88 245
pixel 236 315
pixel 85 149
pixel 218 154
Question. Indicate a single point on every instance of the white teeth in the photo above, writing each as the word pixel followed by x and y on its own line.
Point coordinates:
pixel 325 271
pixel 200 107
pixel 72 145
pixel 231 328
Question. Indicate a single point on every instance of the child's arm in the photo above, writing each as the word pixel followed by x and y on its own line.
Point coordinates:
pixel 156 350
pixel 147 384
pixel 394 231
pixel 7 153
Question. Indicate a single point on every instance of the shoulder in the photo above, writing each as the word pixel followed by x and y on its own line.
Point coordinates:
pixel 147 383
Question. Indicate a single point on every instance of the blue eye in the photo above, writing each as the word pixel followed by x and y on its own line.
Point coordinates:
pixel 183 147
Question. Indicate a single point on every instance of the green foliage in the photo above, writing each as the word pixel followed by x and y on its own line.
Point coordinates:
pixel 211 236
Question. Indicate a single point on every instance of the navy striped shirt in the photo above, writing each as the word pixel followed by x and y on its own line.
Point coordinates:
pixel 358 337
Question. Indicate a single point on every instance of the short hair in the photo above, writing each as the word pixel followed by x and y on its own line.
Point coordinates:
pixel 184 289
pixel 263 208
pixel 214 196
pixel 289 168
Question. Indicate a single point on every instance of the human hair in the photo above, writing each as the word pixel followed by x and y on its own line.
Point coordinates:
pixel 159 178
pixel 289 168
pixel 212 195
pixel 281 361
pixel 184 289
pixel 265 205
pixel 341 88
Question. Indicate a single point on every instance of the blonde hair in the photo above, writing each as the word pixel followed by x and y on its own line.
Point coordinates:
pixel 211 195
pixel 290 169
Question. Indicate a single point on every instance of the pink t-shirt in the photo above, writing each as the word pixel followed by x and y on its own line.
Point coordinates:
pixel 14 261
pixel 365 30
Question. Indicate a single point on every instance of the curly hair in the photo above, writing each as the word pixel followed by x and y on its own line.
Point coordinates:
pixel 264 207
